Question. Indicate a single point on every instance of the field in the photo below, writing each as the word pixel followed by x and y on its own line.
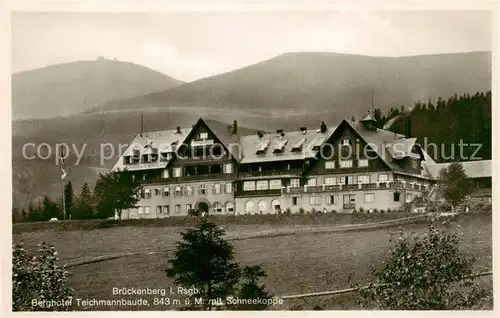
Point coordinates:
pixel 299 263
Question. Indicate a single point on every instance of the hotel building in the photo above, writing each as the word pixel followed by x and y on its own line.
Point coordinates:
pixel 213 168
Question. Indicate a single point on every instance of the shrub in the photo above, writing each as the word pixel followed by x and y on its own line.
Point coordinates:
pixel 361 210
pixel 107 224
pixel 425 273
pixel 382 211
pixel 301 211
pixel 38 277
pixel 334 211
pixel 288 211
pixel 313 210
pixel 375 210
pixel 389 210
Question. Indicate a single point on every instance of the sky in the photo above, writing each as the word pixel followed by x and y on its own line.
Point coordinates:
pixel 193 45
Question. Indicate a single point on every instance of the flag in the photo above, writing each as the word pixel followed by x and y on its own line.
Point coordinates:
pixel 63 172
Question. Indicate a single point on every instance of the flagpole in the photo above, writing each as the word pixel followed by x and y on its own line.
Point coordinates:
pixel 63 201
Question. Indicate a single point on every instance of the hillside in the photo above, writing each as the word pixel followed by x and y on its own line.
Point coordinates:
pixel 312 82
pixel 70 88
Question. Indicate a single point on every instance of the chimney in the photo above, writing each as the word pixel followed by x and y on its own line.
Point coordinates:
pixel 322 128
pixel 235 127
pixel 279 131
pixel 408 127
pixel 178 130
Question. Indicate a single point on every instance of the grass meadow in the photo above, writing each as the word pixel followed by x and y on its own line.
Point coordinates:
pixel 296 263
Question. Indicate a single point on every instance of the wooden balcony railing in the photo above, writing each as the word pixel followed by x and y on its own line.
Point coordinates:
pixel 201 177
pixel 296 172
pixel 348 187
pixel 268 192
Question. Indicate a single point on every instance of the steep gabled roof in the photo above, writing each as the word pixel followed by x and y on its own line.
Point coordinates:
pixel 162 140
pixel 305 140
pixel 385 142
pixel 223 131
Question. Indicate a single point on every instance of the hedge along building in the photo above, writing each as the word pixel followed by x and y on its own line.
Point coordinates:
pixel 214 168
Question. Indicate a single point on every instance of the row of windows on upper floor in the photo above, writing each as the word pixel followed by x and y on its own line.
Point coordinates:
pixel 189 190
pixel 312 182
pixel 165 210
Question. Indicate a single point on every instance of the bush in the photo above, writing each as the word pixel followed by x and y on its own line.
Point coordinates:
pixel 382 211
pixel 389 210
pixel 38 277
pixel 361 210
pixel 288 211
pixel 301 211
pixel 375 210
pixel 107 224
pixel 313 210
pixel 425 273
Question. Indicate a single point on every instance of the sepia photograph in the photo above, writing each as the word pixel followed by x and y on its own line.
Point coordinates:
pixel 251 160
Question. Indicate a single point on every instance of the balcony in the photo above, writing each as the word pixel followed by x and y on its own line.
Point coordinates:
pixel 201 177
pixel 345 187
pixel 296 172
pixel 268 192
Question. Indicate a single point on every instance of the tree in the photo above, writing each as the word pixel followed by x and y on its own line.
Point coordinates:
pixel 454 184
pixel 38 277
pixel 68 199
pixel 114 192
pixel 424 273
pixel 205 261
pixel 83 208
pixel 250 288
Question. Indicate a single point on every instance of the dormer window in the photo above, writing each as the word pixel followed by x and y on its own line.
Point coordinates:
pixel 298 145
pixel 279 147
pixel 261 149
pixel 346 142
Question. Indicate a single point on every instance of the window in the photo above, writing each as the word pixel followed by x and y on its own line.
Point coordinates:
pixel 178 191
pixel 346 142
pixel 383 177
pixel 165 192
pixel 330 164
pixel 144 176
pixel 203 135
pixel 396 196
pixel 227 168
pixel 189 207
pixel 295 183
pixel 295 200
pixel 140 210
pixel 229 188
pixel 147 193
pixel 177 208
pixel 189 190
pixel 275 184
pixel 345 163
pixel 147 210
pixel 315 200
pixel 415 164
pixel 363 163
pixel 249 186
pixel 363 179
pixel 216 189
pixel 262 185
pixel 177 172
pixel 330 180
pixel 347 180
pixel 331 199
pixel 262 206
pixel 165 174
pixel 275 205
pixel 369 197
pixel 311 182
pixel 409 197
pixel 158 209
pixel 166 210
pixel 157 191
pixel 249 207
pixel 202 189
pixel 217 207
pixel 229 207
